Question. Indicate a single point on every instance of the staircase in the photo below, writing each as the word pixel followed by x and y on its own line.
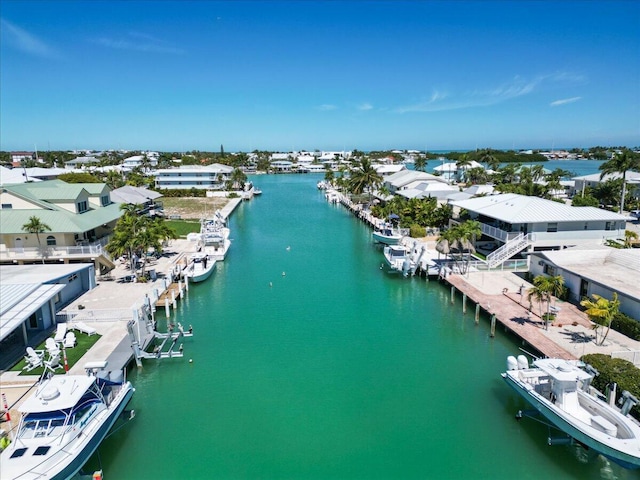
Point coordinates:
pixel 508 250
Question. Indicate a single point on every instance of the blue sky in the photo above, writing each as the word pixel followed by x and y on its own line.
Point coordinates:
pixel 325 75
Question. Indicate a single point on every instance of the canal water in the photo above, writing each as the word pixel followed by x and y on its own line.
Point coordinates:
pixel 309 361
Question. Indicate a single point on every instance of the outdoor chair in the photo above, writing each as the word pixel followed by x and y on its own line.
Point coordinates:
pixel 53 362
pixel 33 359
pixel 84 328
pixel 70 340
pixel 52 346
pixel 61 331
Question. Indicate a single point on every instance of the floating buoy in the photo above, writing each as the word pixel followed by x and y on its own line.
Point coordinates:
pixel 191 360
pixel 288 248
pixel 283 274
pixel 271 284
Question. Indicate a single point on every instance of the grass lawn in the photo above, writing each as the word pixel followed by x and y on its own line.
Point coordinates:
pixel 84 343
pixel 184 227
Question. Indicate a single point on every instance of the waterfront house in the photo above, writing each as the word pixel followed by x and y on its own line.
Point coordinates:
pixel 407 178
pixel 147 199
pixel 597 270
pixel 81 217
pixel 593 180
pixel 31 297
pixel 208 177
pixel 517 222
pixel 18 157
pixel 130 163
pixel 452 173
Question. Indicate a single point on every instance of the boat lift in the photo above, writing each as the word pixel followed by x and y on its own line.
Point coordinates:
pixel 169 339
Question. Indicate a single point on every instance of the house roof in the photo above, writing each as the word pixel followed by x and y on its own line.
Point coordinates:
pixel 514 208
pixel 60 220
pixel 9 176
pixel 405 177
pixel 26 288
pixel 603 265
pixel 595 177
pixel 213 168
pixel 133 195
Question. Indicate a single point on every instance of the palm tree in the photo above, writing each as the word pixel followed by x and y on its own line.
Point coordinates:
pixel 35 225
pixel 364 177
pixel 462 165
pixel 602 312
pixel 629 237
pixel 544 288
pixel 420 163
pixel 621 163
pixel 486 157
pixel 458 241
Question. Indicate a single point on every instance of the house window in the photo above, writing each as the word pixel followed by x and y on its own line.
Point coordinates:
pixel 550 270
pixel 33 321
pixel 82 206
pixel 610 226
pixel 552 227
pixel 7 205
pixel 51 240
pixel 104 200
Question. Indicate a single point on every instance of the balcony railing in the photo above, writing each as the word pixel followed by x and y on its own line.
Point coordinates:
pixel 94 249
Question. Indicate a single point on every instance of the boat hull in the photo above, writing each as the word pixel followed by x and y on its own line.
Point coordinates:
pixel 563 423
pixel 202 275
pixel 386 239
pixel 71 457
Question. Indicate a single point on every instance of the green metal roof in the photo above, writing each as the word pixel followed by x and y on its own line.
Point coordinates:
pixel 60 221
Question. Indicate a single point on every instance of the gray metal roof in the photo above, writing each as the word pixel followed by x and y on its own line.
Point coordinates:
pixel 615 268
pixel 133 195
pixel 514 208
pixel 19 301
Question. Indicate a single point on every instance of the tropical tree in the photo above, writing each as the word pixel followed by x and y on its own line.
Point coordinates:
pixel 487 157
pixel 328 173
pixel 363 178
pixel 621 163
pixel 601 312
pixel 629 238
pixel 420 163
pixel 545 287
pixel 35 225
pixel 238 178
pixel 458 242
pixel 462 165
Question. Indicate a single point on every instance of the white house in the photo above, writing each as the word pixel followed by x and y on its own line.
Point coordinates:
pixel 593 180
pixel 137 161
pixel 519 222
pixel 210 177
pixel 595 270
pixel 81 162
pixel 428 189
pixel 402 179
pixel 451 172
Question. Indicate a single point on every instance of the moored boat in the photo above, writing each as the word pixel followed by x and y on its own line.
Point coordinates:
pixel 387 234
pixel 63 423
pixel 200 267
pixel 403 259
pixel 560 390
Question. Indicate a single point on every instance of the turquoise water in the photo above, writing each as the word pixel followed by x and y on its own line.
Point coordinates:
pixel 309 362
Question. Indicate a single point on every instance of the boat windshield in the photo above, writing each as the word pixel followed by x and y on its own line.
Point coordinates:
pixel 50 424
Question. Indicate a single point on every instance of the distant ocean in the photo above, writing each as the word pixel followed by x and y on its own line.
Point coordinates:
pixel 576 167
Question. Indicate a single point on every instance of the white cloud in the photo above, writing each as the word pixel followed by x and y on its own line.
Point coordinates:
pixel 26 42
pixel 564 101
pixel 139 42
pixel 517 87
pixel 325 107
pixel 365 106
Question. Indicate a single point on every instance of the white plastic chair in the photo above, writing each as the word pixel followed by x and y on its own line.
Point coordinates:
pixel 52 347
pixel 70 340
pixel 33 359
pixel 53 362
pixel 84 328
pixel 61 331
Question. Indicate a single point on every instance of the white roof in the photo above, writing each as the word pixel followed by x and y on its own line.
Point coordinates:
pixel 453 166
pixel 58 393
pixel 213 168
pixel 133 195
pixel 479 189
pixel 514 208
pixel 389 169
pixel 595 177
pixel 600 264
pixel 9 176
pixel 23 290
pixel 19 301
pixel 405 177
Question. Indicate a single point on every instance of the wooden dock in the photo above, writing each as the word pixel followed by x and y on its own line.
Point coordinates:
pixel 513 316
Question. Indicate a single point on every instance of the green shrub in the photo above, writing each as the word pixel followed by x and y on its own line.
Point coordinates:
pixel 623 372
pixel 626 325
pixel 416 231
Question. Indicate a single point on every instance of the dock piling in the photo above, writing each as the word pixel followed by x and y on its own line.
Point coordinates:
pixel 477 313
pixel 453 293
pixel 464 303
pixel 493 325
pixel 166 307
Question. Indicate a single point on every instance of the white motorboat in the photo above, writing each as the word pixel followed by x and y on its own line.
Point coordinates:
pixel 387 234
pixel 403 259
pixel 214 235
pixel 200 267
pixel 560 391
pixel 63 423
